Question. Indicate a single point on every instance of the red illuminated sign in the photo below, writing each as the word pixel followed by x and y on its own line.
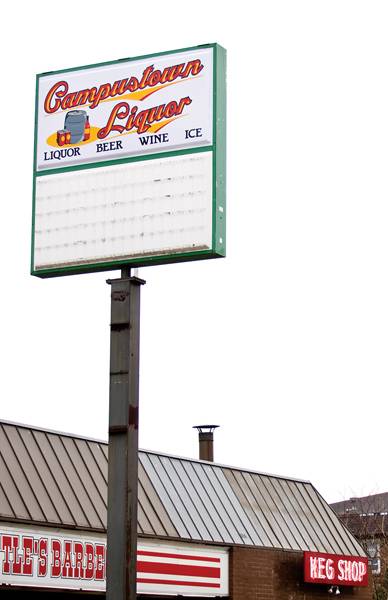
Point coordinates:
pixel 335 569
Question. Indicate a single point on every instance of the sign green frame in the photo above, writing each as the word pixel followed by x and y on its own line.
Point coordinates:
pixel 218 149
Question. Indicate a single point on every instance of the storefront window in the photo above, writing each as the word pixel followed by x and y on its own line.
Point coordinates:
pixel 373 552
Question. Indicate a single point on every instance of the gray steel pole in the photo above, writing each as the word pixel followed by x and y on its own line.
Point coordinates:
pixel 123 437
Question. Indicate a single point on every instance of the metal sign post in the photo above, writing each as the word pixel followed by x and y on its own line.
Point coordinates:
pixel 105 200
pixel 123 437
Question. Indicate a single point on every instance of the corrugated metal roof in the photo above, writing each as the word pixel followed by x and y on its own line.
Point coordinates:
pixel 60 480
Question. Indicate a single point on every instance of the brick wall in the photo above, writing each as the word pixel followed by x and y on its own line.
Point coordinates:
pixel 258 574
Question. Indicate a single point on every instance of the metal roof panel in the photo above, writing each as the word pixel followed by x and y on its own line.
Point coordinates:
pixel 61 480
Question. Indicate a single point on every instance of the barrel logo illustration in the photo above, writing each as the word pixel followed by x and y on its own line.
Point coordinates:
pixel 124 109
pixel 76 129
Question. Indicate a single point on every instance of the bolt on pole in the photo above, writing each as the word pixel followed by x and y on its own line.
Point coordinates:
pixel 123 437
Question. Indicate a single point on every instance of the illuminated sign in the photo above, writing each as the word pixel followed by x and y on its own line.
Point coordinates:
pixel 334 569
pixel 68 560
pixel 127 108
pixel 130 163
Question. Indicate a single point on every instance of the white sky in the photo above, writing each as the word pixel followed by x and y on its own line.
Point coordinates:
pixel 285 342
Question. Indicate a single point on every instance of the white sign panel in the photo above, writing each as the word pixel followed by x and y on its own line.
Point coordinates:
pixel 124 211
pixel 43 558
pixel 127 108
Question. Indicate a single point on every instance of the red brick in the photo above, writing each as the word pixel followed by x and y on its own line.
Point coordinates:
pixel 264 574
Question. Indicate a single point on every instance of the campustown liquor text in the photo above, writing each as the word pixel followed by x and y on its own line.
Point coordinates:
pixel 126 108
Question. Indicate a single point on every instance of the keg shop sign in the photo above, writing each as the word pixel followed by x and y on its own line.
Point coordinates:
pixel 130 163
pixel 335 569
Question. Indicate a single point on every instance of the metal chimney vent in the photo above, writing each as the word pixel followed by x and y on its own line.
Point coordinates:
pixel 205 438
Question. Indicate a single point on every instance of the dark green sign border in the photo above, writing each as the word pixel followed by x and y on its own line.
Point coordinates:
pixel 218 149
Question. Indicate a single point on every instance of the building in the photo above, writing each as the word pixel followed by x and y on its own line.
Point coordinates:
pixel 205 530
pixel 367 519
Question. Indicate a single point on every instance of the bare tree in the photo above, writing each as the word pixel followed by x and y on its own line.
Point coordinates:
pixel 367 519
